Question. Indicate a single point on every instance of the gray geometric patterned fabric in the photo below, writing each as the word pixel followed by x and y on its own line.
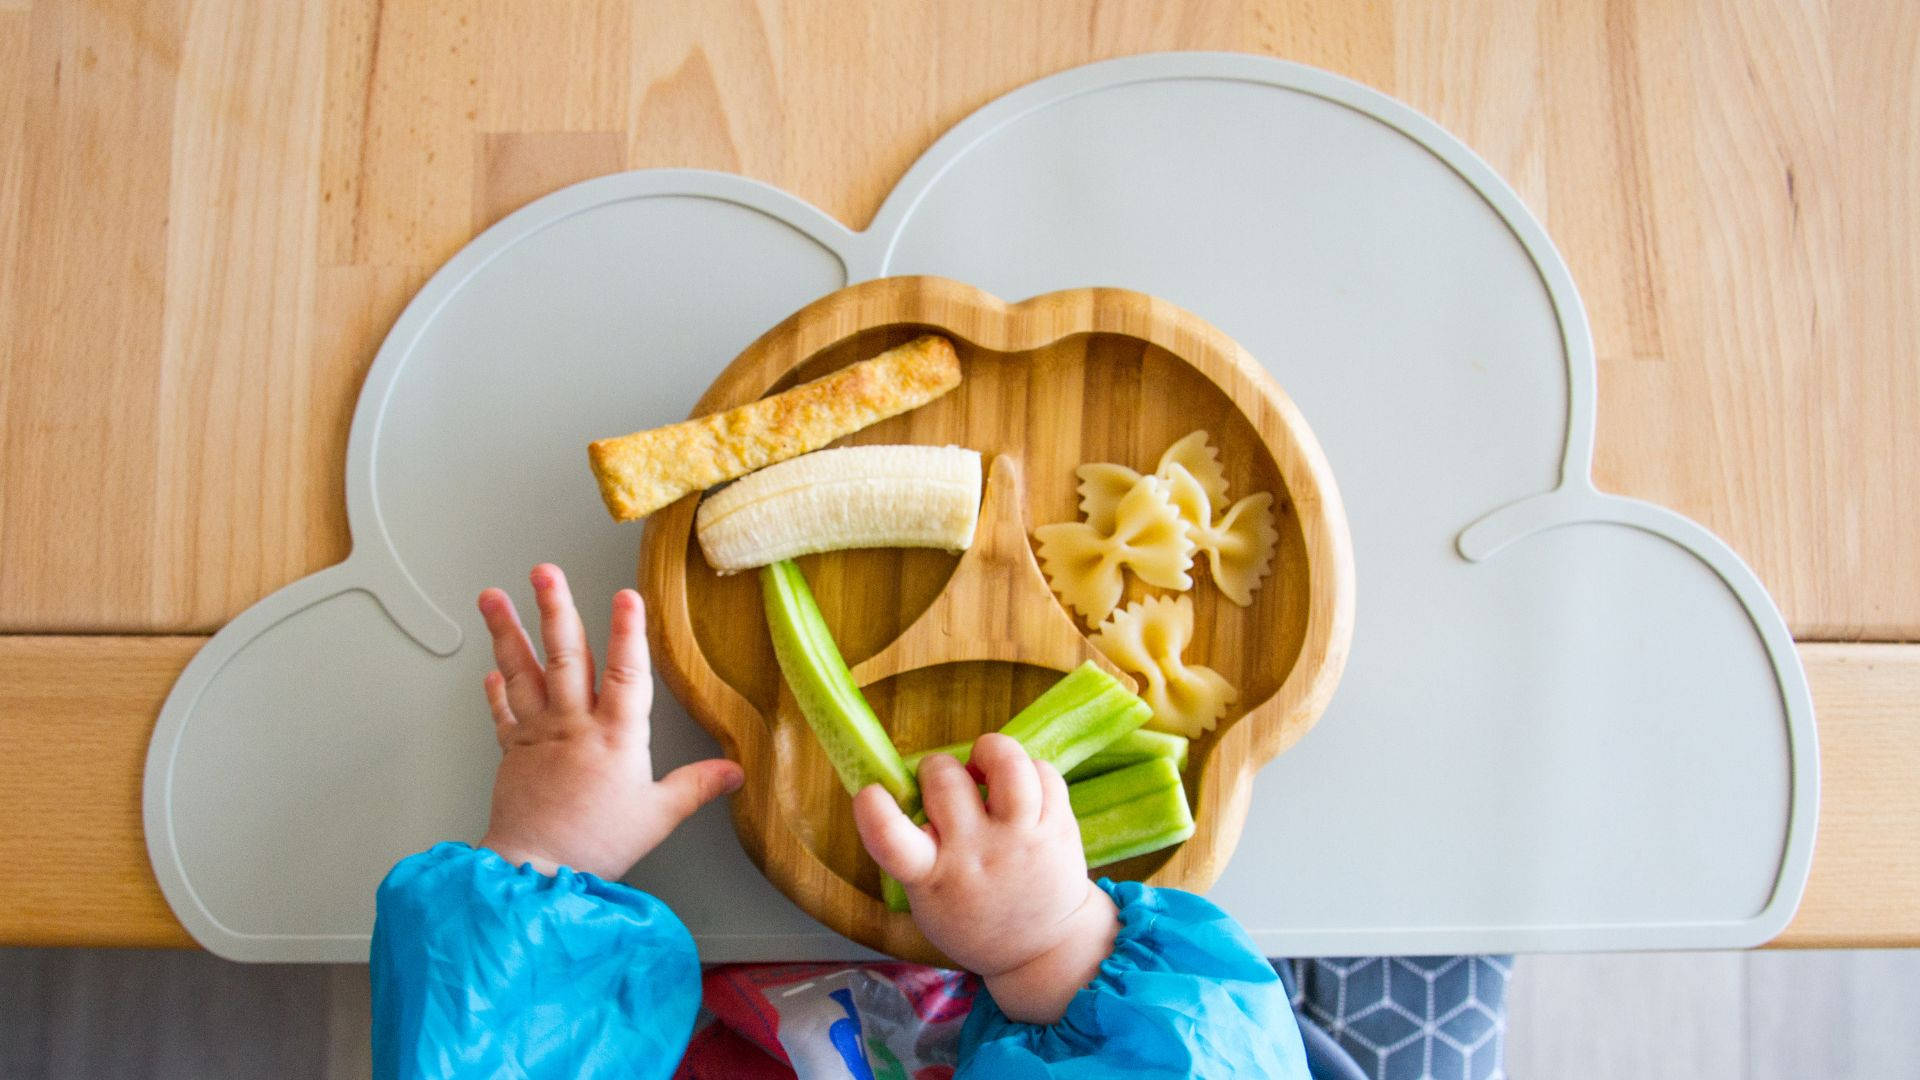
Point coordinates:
pixel 1405 1017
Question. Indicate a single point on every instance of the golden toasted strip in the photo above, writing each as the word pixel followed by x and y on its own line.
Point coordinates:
pixel 642 472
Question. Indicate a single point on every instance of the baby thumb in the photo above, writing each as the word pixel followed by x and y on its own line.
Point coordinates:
pixel 690 787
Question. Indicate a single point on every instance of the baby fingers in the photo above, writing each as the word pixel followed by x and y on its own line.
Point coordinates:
pixel 900 847
pixel 626 687
pixel 569 677
pixel 951 798
pixel 1013 787
pixel 503 719
pixel 525 686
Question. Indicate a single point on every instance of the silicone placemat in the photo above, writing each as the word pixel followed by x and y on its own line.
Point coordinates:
pixel 1569 721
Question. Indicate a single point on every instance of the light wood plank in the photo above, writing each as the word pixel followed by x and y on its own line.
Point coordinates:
pixel 415 85
pixel 1865 885
pixel 1600 1017
pixel 1354 38
pixel 1838 1014
pixel 355 307
pixel 1875 341
pixel 353 44
pixel 516 168
pixel 75 714
pixel 230 502
pixel 77 450
pixel 1595 118
pixel 14 28
pixel 679 112
pixel 1766 156
pixel 1480 79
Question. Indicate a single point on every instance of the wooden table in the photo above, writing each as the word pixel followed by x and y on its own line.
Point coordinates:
pixel 210 213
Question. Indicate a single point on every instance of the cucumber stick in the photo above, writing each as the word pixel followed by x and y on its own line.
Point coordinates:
pixel 1131 749
pixel 841 719
pixel 1077 716
pixel 894 893
pixel 1083 714
pixel 1131 811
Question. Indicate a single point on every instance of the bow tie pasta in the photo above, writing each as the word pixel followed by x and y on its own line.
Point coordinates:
pixel 1238 541
pixel 1147 639
pixel 1146 533
pixel 1102 484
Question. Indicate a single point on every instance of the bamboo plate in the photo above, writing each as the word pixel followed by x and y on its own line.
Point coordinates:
pixel 951 646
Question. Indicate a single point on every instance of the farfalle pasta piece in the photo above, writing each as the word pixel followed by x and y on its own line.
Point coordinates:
pixel 1146 535
pixel 1103 484
pixel 1239 544
pixel 1195 453
pixel 1147 639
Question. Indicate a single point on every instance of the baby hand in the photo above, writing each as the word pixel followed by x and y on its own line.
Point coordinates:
pixel 575 786
pixel 1001 888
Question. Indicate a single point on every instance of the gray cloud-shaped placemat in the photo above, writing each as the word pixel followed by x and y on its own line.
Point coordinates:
pixel 1570 720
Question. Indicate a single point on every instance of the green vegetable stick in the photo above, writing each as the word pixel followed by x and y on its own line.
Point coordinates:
pixel 891 891
pixel 1131 811
pixel 1077 717
pixel 1130 749
pixel 1121 786
pixel 841 719
pixel 961 750
pixel 894 893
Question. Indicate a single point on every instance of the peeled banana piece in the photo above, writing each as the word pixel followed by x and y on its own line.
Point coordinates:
pixel 847 497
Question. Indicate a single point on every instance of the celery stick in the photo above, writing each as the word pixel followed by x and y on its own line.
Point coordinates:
pixel 1129 749
pixel 961 750
pixel 1122 785
pixel 894 893
pixel 1157 820
pixel 841 719
pixel 1131 811
pixel 1076 717
pixel 1079 716
pixel 891 891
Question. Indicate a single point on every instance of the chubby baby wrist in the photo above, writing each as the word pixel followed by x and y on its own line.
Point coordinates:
pixel 517 855
pixel 1037 990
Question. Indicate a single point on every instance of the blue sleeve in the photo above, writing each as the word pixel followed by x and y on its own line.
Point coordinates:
pixel 484 969
pixel 1185 993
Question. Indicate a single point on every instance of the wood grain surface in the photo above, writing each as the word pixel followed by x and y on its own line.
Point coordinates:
pixel 73 857
pixel 211 211
pixel 1039 381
